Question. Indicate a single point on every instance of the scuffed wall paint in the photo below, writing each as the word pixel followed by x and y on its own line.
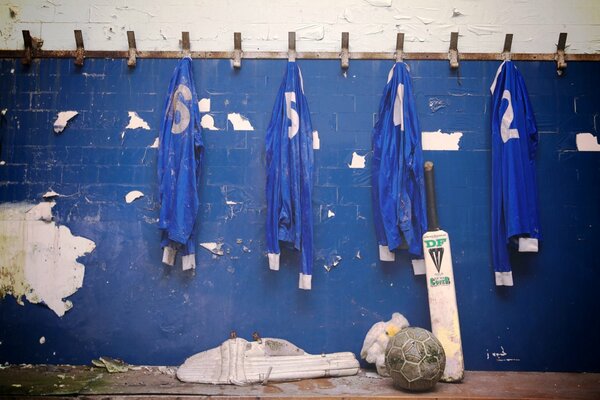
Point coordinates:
pixel 208 122
pixel 132 196
pixel 62 119
pixel 239 122
pixel 441 141
pixel 587 142
pixel 358 161
pixel 535 24
pixel 38 259
pixel 135 122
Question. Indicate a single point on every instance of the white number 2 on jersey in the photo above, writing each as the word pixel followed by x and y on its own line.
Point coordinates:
pixel 507 118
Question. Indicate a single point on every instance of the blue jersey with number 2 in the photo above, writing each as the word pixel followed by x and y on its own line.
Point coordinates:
pixel 514 192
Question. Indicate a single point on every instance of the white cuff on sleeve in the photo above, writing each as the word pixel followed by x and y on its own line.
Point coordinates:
pixel 188 262
pixel 528 245
pixel 305 282
pixel 273 261
pixel 504 279
pixel 169 255
pixel 385 254
pixel 418 266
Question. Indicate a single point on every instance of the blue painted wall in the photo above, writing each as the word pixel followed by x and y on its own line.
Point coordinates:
pixel 133 307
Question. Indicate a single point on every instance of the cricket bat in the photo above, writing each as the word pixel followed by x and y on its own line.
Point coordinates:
pixel 440 286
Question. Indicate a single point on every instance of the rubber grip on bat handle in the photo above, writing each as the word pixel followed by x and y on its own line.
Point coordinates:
pixel 432 216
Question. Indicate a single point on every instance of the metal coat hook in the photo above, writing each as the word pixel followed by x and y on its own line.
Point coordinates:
pixel 80 52
pixel 400 47
pixel 506 55
pixel 345 54
pixel 291 46
pixel 561 64
pixel 453 52
pixel 237 49
pixel 28 48
pixel 131 61
pixel 185 44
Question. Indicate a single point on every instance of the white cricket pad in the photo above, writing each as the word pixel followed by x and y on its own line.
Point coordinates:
pixel 528 245
pixel 305 282
pixel 169 255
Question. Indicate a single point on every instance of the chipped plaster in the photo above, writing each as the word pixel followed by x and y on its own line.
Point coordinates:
pixel 38 258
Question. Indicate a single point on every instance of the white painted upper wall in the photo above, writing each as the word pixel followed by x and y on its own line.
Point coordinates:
pixel 264 24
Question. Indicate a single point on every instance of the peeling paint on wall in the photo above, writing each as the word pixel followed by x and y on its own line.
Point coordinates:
pixel 133 195
pixel 213 247
pixel 358 161
pixel 441 141
pixel 587 142
pixel 155 144
pixel 316 141
pixel 239 122
pixel 50 194
pixel 204 105
pixel 62 119
pixel 135 122
pixel 436 104
pixel 208 122
pixel 38 259
pixel 330 214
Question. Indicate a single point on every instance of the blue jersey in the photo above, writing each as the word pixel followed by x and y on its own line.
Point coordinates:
pixel 179 157
pixel 398 189
pixel 289 156
pixel 514 144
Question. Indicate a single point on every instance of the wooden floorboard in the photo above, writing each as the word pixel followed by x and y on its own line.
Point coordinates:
pixel 88 383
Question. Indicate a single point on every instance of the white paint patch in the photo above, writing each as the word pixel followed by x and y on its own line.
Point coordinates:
pixel 587 142
pixel 12 70
pixel 155 144
pixel 441 141
pixel 358 161
pixel 425 21
pixel 135 122
pixel 2 162
pixel 50 194
pixel 204 105
pixel 311 32
pixel 61 120
pixel 330 214
pixel 4 111
pixel 38 259
pixel 208 122
pixel 213 247
pixel 42 340
pixel 132 196
pixel 316 141
pixel 231 203
pixel 239 122
pixel 483 30
pixel 380 3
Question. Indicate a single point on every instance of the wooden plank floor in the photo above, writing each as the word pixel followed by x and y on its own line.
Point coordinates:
pixel 81 382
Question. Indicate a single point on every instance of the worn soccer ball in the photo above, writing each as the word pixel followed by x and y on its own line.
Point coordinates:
pixel 415 359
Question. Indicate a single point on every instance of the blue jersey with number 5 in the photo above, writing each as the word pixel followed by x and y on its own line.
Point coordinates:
pixel 289 156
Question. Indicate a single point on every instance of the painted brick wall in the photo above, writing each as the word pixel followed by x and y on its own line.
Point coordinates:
pixel 372 24
pixel 133 307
